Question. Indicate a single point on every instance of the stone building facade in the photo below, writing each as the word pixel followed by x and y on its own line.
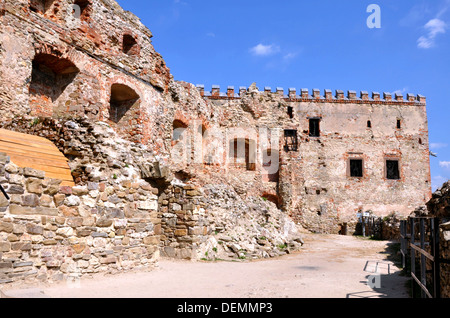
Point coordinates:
pixel 180 167
pixel 338 154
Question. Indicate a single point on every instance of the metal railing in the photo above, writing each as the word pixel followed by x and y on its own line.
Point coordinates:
pixel 371 225
pixel 4 192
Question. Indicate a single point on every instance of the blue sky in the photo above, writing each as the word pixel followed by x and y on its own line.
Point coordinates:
pixel 324 44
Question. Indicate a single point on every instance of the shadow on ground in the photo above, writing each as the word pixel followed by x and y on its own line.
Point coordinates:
pixel 384 281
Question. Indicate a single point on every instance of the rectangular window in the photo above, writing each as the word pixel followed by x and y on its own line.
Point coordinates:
pixel 314 127
pixel 392 170
pixel 356 168
pixel 399 124
pixel 290 140
pixel 291 112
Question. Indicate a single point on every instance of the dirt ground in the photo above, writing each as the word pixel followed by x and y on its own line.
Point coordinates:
pixel 328 266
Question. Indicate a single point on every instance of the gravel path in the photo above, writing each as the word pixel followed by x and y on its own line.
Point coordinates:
pixel 329 266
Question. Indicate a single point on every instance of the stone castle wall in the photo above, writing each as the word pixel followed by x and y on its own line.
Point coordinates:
pixel 51 232
pixel 313 181
pixel 169 167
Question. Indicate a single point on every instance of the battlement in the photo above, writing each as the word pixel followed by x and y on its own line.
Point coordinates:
pixel 305 95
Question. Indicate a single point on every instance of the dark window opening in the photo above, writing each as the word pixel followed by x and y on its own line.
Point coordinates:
pixel 291 112
pixel 130 46
pixel 40 6
pixel 399 124
pixel 392 170
pixel 356 168
pixel 272 198
pixel 123 98
pixel 314 127
pixel 420 141
pixel 290 140
pixel 369 124
pixel 84 7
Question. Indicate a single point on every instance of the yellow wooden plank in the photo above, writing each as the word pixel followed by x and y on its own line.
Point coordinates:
pixel 30 146
pixel 58 163
pixel 14 136
pixel 33 152
pixel 36 153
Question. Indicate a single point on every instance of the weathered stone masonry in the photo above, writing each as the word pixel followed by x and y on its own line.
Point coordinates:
pixel 162 166
pixel 314 182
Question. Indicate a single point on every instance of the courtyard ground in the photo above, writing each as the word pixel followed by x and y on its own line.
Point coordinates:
pixel 328 266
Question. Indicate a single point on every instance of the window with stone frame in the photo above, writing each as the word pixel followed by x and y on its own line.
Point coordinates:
pixel 392 169
pixel 356 167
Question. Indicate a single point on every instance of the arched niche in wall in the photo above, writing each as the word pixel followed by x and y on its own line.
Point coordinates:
pixel 50 76
pixel 85 8
pixel 178 130
pixel 40 6
pixel 124 104
pixel 130 45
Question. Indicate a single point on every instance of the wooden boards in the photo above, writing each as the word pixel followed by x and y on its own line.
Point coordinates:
pixel 28 151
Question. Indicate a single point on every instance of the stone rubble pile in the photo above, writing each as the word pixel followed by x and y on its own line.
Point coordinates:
pixel 248 229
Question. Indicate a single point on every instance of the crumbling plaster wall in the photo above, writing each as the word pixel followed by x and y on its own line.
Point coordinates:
pixel 314 184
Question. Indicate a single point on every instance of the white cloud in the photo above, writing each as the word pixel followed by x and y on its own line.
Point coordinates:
pixel 290 56
pixel 433 27
pixel 211 34
pixel 444 164
pixel 437 145
pixel 400 91
pixel 437 182
pixel 265 50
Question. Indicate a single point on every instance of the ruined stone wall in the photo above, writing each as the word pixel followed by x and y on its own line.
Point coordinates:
pixel 51 233
pixel 54 64
pixel 163 163
pixel 313 183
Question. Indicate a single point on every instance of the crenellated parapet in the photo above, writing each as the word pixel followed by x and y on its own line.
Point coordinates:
pixel 315 95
